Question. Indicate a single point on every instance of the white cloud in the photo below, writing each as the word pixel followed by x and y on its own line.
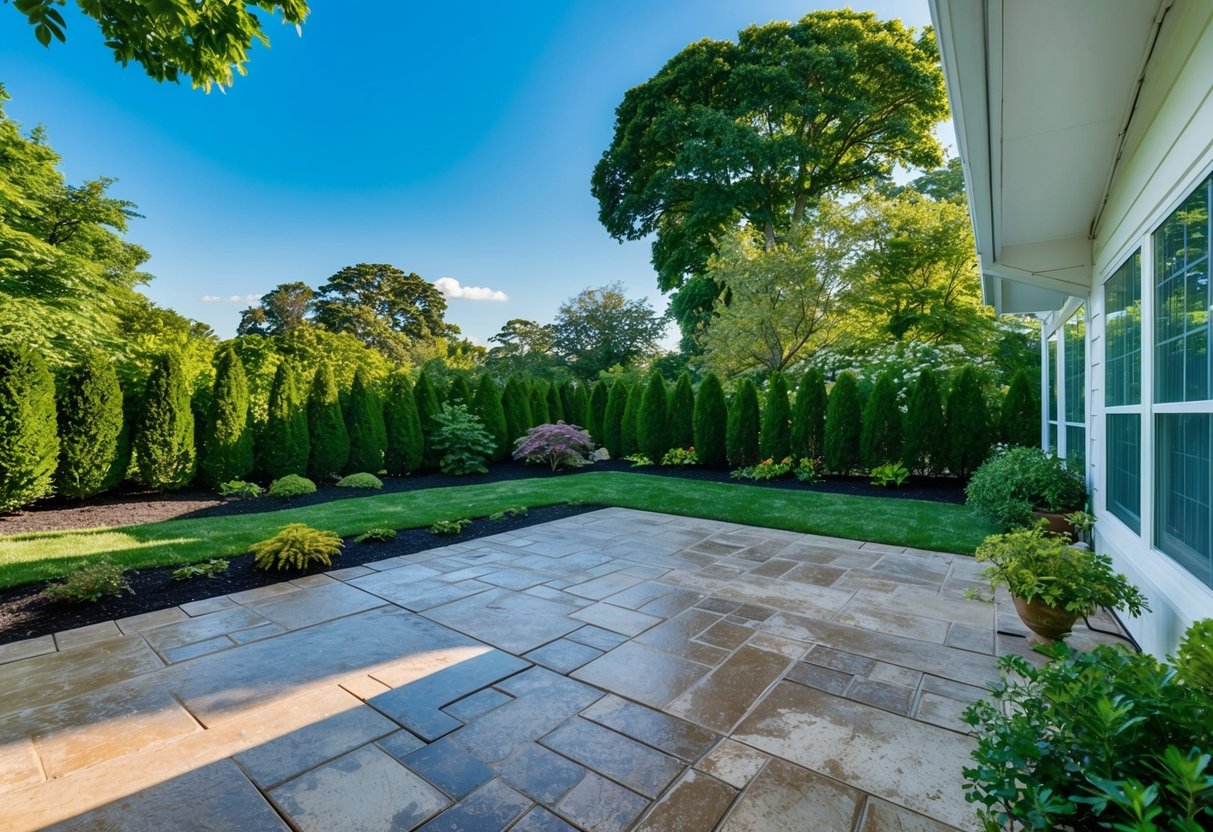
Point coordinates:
pixel 231 299
pixel 450 288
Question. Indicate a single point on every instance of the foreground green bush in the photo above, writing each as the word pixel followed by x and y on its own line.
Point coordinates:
pixel 741 440
pixel 843 426
pixel 711 423
pixel 328 439
pixel 284 445
pixel 297 547
pixel 292 485
pixel 360 480
pixel 227 437
pixel 1010 485
pixel 90 424
pixel 164 430
pixel 775 438
pixel 461 441
pixel 90 583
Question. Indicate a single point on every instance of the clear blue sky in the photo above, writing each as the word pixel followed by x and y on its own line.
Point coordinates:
pixel 450 139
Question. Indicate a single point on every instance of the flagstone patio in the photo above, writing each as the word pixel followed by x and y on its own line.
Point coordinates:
pixel 614 670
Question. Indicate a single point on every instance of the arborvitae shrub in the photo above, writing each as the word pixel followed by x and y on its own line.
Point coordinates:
pixel 368 434
pixel 539 403
pixel 405 443
pixel 596 413
pixel 487 405
pixel 164 433
pixel 881 440
pixel 1019 419
pixel 284 444
pixel 742 440
pixel 460 392
pixel 967 424
pixel 568 403
pixel 807 435
pixel 328 439
pixel 682 413
pixel 555 406
pixel 612 419
pixel 925 447
pixel 843 426
pixel 227 438
pixel 711 423
pixel 517 409
pixel 775 441
pixel 90 423
pixel 426 399
pixel 653 429
pixel 29 441
pixel 629 431
pixel 580 414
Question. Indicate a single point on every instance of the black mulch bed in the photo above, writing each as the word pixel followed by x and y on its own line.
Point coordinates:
pixel 26 611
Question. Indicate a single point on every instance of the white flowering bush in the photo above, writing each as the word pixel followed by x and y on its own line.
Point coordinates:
pixel 903 360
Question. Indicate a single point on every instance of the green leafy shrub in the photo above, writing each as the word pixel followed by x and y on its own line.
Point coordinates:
pixel 328 439
pixel 292 485
pixel 809 469
pixel 711 423
pixel 654 425
pixel 1195 657
pixel 768 469
pixel 376 536
pixel 681 457
pixel 1105 739
pixel 297 546
pixel 612 418
pixel 1013 483
pixel 967 424
pixel 1019 418
pixel 90 583
pixel 164 429
pixel 891 473
pixel 360 480
pixel 368 433
pixel 405 442
pixel 638 460
pixel 240 488
pixel 807 432
pixel 450 526
pixel 741 441
pixel 90 424
pixel 461 440
pixel 512 511
pixel 880 440
pixel 206 569
pixel 843 426
pixel 283 446
pixel 925 446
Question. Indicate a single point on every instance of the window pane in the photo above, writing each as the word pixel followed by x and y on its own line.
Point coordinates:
pixel 1075 333
pixel 1124 468
pixel 1185 469
pixel 1122 305
pixel 1181 316
pixel 1052 370
pixel 1076 447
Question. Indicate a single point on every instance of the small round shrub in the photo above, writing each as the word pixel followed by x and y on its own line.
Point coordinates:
pixel 292 485
pixel 376 535
pixel 297 547
pixel 90 583
pixel 360 480
pixel 1010 485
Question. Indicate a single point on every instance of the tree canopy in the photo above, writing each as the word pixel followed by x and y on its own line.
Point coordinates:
pixel 600 328
pixel 203 40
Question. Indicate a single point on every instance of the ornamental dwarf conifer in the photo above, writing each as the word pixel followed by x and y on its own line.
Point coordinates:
pixel 629 430
pixel 517 407
pixel 226 450
pixel 538 399
pixel 742 439
pixel 90 425
pixel 284 444
pixel 967 424
pixel 775 441
pixel 460 392
pixel 29 441
pixel 163 440
pixel 881 439
pixel 653 429
pixel 612 419
pixel 925 447
pixel 486 404
pixel 1019 419
pixel 807 435
pixel 682 413
pixel 843 426
pixel 711 423
pixel 599 394
pixel 426 399
pixel 368 434
pixel 555 406
pixel 328 439
pixel 405 443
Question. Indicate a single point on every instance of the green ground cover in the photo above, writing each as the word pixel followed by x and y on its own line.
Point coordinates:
pixel 921 524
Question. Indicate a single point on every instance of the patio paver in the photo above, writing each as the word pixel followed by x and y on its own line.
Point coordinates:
pixel 615 670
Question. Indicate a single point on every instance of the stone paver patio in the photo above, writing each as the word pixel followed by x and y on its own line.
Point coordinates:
pixel 615 670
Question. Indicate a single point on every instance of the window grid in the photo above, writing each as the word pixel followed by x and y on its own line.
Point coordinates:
pixel 1124 468
pixel 1122 314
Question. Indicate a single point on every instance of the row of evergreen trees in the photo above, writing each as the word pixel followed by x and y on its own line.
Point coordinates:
pixel 78 443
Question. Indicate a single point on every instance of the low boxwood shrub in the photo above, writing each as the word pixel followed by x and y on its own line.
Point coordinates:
pixel 1009 485
pixel 360 480
pixel 557 445
pixel 292 485
pixel 297 546
pixel 376 536
pixel 90 583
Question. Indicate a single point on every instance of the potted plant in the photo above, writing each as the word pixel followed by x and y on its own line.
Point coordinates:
pixel 1052 583
pixel 1017 486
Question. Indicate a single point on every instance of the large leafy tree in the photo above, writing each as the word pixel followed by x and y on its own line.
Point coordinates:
pixel 523 348
pixel 600 328
pixel 393 312
pixel 759 130
pixel 203 40
pixel 279 312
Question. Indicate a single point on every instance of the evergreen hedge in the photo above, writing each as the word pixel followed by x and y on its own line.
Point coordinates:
pixel 581 406
pixel 629 430
pixel 880 442
pixel 284 444
pixel 682 413
pixel 711 423
pixel 555 406
pixel 460 392
pixel 163 440
pixel 328 439
pixel 612 419
pixel 539 403
pixel 368 434
pixel 967 424
pixel 741 443
pixel 774 441
pixel 596 412
pixel 405 441
pixel 653 427
pixel 29 441
pixel 807 435
pixel 925 447
pixel 226 449
pixel 486 404
pixel 1019 419
pixel 843 426
pixel 426 399
pixel 90 427
pixel 568 404
pixel 517 410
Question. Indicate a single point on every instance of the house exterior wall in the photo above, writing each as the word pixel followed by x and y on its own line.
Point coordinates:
pixel 1168 152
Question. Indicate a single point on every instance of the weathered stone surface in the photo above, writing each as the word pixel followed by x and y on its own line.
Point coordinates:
pixel 599 805
pixel 150 620
pixel 617 619
pixel 365 789
pixel 563 656
pixel 26 648
pixel 597 637
pixel 512 621
pixel 271 763
pixel 203 627
pixel 85 636
pixel 449 767
pixel 667 733
pixel 882 816
pixel 493 806
pixel 822 678
pixel 56 676
pixel 725 694
pixel 694 803
pixel 198 648
pixel 315 604
pixel 541 820
pixel 479 703
pixel 540 774
pixel 19 765
pixel 787 798
pixel 638 672
pixel 640 768
pixel 732 762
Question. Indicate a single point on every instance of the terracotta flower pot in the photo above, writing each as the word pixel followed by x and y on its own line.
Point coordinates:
pixel 1048 624
pixel 1057 523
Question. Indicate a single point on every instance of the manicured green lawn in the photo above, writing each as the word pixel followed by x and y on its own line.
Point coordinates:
pixel 925 525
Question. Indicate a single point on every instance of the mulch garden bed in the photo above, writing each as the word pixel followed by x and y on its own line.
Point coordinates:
pixel 26 611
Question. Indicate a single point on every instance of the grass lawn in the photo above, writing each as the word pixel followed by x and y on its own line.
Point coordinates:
pixel 925 525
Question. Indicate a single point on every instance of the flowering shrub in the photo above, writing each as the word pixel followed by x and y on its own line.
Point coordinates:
pixel 768 469
pixel 903 361
pixel 680 456
pixel 809 469
pixel 557 445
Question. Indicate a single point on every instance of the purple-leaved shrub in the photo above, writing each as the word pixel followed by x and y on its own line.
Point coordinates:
pixel 558 444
